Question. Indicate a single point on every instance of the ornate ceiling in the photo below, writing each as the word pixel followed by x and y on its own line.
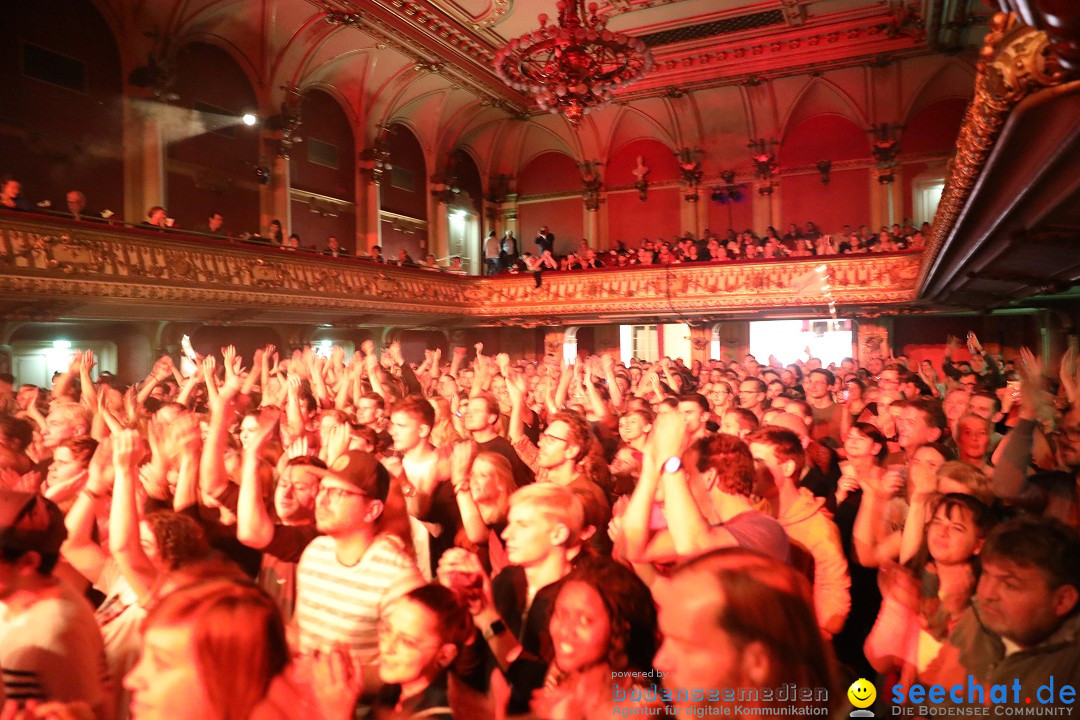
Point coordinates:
pixel 418 60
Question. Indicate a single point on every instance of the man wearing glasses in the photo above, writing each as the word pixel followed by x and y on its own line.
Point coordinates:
pixel 350 574
pixel 752 393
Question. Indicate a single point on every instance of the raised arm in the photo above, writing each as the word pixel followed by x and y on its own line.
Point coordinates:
pixel 254 526
pixel 213 476
pixel 79 549
pixel 461 461
pixel 124 543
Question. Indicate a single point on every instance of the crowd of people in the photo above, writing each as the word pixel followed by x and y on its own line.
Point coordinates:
pixel 300 535
pixel 504 254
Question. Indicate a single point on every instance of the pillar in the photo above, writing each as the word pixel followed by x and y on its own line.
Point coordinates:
pixel 592 226
pixel 873 339
pixel 688 214
pixel 144 160
pixel 762 208
pixel 371 166
pixel 275 201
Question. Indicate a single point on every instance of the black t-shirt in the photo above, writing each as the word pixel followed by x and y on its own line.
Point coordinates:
pixel 522 474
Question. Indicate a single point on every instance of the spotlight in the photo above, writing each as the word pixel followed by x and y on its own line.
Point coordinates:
pixel 250 119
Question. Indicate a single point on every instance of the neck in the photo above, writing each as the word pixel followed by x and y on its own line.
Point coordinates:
pixel 420 451
pixel 484 435
pixel 563 474
pixel 728 506
pixel 863 464
pixel 551 569
pixel 414 687
pixel 821 402
pixel 787 492
pixel 349 548
pixel 29 591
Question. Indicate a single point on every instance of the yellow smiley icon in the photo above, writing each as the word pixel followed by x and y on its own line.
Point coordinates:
pixel 862 693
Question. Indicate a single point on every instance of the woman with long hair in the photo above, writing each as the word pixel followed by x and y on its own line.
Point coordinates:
pixel 483 485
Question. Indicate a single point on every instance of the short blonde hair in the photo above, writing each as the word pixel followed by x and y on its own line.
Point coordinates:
pixel 556 503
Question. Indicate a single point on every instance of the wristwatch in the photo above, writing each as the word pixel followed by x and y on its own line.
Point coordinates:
pixel 673 464
pixel 496 628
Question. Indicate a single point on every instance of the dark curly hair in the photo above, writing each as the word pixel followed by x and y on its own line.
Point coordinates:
pixel 180 539
pixel 630 608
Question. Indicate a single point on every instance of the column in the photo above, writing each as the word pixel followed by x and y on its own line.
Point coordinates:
pixel 762 208
pixel 144 160
pixel 700 339
pixel 439 226
pixel 275 202
pixel 873 339
pixel 368 201
pixel 592 226
pixel 688 213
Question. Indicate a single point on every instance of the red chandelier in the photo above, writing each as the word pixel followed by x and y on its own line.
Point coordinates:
pixel 573 67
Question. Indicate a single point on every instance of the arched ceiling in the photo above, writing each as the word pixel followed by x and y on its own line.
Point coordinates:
pixel 430 62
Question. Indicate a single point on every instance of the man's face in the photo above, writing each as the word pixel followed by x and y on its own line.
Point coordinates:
pixel 12 188
pixel 928 460
pixel 368 412
pixel 64 466
pixel 815 385
pixel 693 414
pixel 956 404
pixel 340 507
pixel 695 652
pixel 765 456
pixel 1069 440
pixel 215 222
pixel 478 416
pixel 1017 602
pixel 406 431
pixel 555 445
pixel 972 438
pixel 59 426
pixel 294 496
pixel 530 536
pixel 750 396
pixel 158 218
pixel 75 202
pixel 983 406
pixel 912 429
pixel 22 397
pixel 729 425
pixel 890 382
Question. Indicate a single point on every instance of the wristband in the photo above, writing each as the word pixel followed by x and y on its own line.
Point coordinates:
pixel 91 494
pixel 496 628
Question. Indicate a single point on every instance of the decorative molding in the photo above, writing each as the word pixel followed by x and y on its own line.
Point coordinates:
pixel 53 261
pixel 1017 60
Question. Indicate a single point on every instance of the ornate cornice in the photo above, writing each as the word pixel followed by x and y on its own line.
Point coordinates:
pixel 58 262
pixel 1016 61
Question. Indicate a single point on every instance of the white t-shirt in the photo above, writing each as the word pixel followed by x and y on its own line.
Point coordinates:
pixel 53 651
pixel 336 604
pixel 120 618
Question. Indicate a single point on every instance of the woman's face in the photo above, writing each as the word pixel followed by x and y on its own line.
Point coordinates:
pixel 409 643
pixel 249 428
pixel 858 445
pixel 952 537
pixel 165 683
pixel 580 628
pixel 492 502
pixel 632 426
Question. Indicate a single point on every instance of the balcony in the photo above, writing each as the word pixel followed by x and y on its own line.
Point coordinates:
pixel 57 269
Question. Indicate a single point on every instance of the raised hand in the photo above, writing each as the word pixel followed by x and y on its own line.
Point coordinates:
pixel 128 449
pixel 87 361
pixel 461 571
pixel 367 347
pixel 337 442
pixel 394 351
pixel 461 460
pixel 479 347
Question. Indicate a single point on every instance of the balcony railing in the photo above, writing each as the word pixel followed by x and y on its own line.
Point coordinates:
pixel 51 268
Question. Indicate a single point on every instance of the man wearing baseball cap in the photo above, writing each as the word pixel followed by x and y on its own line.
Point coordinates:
pixel 50 645
pixel 350 574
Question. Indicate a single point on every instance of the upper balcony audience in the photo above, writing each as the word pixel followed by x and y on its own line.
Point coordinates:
pixel 504 255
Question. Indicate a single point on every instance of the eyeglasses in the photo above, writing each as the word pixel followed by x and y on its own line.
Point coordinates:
pixel 335 493
pixel 1072 434
pixel 548 438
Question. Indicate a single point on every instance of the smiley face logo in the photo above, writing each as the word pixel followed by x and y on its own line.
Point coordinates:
pixel 862 693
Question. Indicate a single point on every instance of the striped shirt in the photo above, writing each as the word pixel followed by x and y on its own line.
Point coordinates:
pixel 338 605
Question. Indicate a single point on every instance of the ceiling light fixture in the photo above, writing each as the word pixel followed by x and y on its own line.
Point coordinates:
pixel 573 67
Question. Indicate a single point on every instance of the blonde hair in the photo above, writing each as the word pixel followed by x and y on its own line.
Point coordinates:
pixel 556 503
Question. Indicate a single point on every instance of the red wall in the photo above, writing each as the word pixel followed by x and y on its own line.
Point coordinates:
pixel 844 201
pixel 823 137
pixel 405 152
pixel 629 219
pixel 736 216
pixel 393 240
pixel 189 199
pixel 657 156
pixel 53 139
pixel 923 337
pixel 467 178
pixel 324 120
pixel 564 217
pixel 550 172
pixel 934 128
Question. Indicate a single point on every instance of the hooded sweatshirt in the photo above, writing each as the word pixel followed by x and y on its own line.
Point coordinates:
pixel 815 536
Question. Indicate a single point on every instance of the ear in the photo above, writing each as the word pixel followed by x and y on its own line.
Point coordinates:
pixel 788 468
pixel 935 434
pixel 374 510
pixel 756 665
pixel 425 430
pixel 560 534
pixel 1064 599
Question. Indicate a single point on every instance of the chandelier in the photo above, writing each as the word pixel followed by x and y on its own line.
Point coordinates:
pixel 573 67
